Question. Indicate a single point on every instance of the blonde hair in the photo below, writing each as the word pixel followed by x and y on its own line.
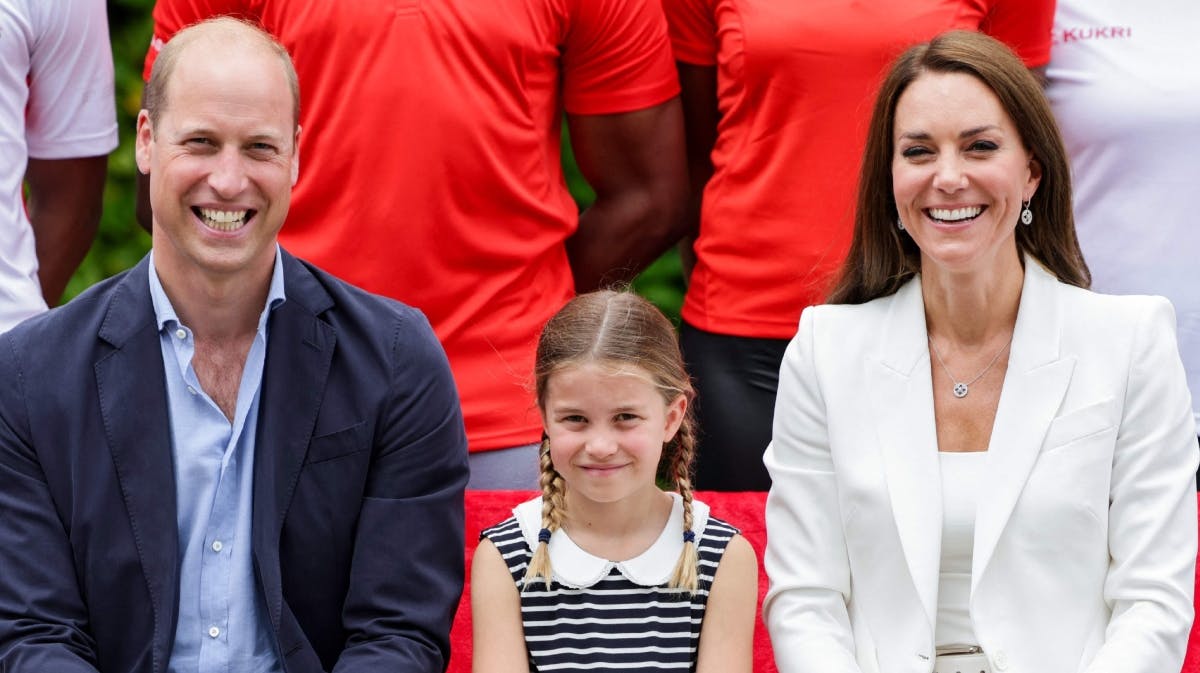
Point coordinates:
pixel 620 328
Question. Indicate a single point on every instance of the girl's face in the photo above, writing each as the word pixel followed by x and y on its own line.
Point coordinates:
pixel 607 426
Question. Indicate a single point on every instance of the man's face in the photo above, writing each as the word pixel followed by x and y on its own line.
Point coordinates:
pixel 222 161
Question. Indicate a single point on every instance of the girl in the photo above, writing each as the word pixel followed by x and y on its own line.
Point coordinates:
pixel 605 570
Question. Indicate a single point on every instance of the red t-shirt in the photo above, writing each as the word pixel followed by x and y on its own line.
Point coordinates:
pixel 429 164
pixel 796 84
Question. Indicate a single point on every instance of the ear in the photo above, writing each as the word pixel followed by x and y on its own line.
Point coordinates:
pixel 1035 177
pixel 676 410
pixel 296 156
pixel 144 142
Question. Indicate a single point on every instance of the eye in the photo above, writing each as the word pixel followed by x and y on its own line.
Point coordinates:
pixel 626 417
pixel 915 152
pixel 199 141
pixel 572 418
pixel 983 146
pixel 262 148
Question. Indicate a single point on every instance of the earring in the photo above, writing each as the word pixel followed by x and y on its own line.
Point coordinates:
pixel 900 224
pixel 1026 215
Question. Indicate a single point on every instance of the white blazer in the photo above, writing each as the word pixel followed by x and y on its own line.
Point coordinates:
pixel 1085 536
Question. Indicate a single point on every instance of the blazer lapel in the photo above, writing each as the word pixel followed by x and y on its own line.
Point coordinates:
pixel 300 348
pixel 901 395
pixel 133 403
pixel 1033 389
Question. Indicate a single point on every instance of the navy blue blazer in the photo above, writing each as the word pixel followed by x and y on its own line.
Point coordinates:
pixel 358 485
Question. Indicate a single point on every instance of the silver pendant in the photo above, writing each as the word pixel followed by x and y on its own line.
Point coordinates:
pixel 961 390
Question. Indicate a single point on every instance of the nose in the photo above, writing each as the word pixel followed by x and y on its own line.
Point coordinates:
pixel 228 175
pixel 600 445
pixel 949 175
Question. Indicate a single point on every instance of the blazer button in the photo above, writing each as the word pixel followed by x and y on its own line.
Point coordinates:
pixel 1000 659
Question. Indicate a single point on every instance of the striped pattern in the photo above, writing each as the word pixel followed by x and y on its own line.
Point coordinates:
pixel 614 624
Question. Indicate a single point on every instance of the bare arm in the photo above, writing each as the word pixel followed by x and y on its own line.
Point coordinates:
pixel 727 635
pixel 65 200
pixel 635 163
pixel 498 639
pixel 698 94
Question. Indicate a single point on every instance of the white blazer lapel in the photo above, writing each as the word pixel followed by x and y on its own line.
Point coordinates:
pixel 900 390
pixel 1034 386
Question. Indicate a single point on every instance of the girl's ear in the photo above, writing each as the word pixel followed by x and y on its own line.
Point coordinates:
pixel 674 417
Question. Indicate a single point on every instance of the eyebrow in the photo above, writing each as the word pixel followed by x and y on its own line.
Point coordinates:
pixel 188 132
pixel 924 135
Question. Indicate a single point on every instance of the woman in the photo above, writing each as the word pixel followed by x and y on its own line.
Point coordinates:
pixel 973 455
pixel 776 97
pixel 1124 85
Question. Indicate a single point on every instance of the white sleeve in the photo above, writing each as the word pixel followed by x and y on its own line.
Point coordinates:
pixel 806 557
pixel 1152 511
pixel 72 111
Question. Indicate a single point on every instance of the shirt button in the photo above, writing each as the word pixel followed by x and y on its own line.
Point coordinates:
pixel 217 546
pixel 1000 660
pixel 180 333
pixel 213 632
pixel 191 390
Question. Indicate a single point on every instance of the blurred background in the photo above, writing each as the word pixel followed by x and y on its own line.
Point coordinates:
pixel 120 242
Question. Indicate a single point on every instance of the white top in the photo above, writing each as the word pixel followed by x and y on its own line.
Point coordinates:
pixel 1124 81
pixel 575 567
pixel 56 102
pixel 962 480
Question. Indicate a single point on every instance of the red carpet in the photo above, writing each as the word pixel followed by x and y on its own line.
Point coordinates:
pixel 744 510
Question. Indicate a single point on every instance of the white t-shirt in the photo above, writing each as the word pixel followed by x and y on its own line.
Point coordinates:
pixel 1124 81
pixel 56 102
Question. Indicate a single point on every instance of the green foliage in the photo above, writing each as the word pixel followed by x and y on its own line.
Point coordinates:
pixel 121 242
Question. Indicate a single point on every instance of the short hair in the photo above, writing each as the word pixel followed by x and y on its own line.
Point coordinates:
pixel 881 259
pixel 620 329
pixel 154 97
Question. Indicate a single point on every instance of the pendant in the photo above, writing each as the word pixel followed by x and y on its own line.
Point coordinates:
pixel 961 390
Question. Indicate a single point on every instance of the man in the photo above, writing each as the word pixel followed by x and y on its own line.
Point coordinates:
pixel 57 125
pixel 226 459
pixel 436 128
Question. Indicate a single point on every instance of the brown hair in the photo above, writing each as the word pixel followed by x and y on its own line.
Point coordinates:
pixel 228 29
pixel 620 328
pixel 881 258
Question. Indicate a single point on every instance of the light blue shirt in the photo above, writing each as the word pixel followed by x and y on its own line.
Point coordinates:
pixel 222 624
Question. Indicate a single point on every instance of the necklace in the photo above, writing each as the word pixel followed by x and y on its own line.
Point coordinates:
pixel 962 388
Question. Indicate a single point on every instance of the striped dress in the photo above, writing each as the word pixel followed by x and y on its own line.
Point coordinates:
pixel 600 615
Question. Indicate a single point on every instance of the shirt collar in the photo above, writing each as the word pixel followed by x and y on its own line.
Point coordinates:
pixel 165 314
pixel 576 568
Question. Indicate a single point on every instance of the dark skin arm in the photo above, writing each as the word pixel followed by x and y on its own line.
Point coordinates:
pixel 64 204
pixel 142 204
pixel 635 163
pixel 698 85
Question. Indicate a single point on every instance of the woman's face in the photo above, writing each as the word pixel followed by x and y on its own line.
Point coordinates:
pixel 960 173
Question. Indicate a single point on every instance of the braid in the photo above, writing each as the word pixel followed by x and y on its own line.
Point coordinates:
pixel 552 507
pixel 686 573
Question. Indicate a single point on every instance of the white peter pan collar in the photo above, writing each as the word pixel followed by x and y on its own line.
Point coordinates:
pixel 576 568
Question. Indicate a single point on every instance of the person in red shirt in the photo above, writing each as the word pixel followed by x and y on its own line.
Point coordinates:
pixel 431 170
pixel 776 99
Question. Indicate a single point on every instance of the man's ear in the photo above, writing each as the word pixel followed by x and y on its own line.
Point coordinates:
pixel 296 156
pixel 144 142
